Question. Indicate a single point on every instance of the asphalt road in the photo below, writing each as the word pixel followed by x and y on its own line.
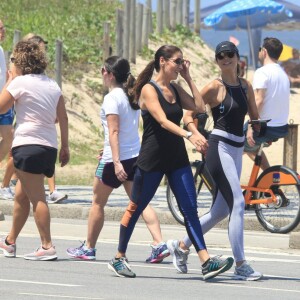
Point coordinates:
pixel 70 279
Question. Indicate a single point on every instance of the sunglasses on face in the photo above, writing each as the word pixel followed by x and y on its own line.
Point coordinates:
pixel 222 55
pixel 177 61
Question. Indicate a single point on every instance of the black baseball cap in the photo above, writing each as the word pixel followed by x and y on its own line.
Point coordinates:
pixel 226 46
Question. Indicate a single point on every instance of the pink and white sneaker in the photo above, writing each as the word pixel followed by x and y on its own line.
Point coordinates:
pixel 42 254
pixel 8 250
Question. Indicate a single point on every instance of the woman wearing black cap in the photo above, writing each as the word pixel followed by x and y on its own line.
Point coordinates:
pixel 230 99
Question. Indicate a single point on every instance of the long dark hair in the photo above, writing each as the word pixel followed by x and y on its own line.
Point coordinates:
pixel 120 68
pixel 166 51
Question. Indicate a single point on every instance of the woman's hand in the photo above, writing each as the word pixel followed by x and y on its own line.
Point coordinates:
pixel 100 154
pixel 64 156
pixel 200 142
pixel 185 72
pixel 120 172
pixel 250 139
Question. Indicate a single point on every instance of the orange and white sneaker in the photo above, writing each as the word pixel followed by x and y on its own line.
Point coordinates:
pixel 42 254
pixel 8 250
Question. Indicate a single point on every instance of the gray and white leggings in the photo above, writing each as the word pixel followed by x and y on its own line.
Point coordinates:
pixel 224 161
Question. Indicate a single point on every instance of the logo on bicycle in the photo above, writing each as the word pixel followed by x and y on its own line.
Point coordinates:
pixel 276 177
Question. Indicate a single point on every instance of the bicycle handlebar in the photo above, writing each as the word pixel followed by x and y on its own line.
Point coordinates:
pixel 252 122
pixel 263 126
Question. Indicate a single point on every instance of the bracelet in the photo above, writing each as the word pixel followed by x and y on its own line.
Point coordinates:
pixel 189 123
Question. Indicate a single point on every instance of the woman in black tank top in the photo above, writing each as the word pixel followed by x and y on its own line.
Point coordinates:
pixel 162 153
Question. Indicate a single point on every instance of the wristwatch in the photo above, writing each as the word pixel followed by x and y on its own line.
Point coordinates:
pixel 188 134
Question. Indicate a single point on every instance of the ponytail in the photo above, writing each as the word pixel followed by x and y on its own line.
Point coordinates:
pixel 129 91
pixel 143 79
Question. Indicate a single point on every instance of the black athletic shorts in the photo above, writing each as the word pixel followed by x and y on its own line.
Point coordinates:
pixel 35 159
pixel 106 172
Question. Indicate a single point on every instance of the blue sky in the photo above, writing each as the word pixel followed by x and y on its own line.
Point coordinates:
pixel 205 3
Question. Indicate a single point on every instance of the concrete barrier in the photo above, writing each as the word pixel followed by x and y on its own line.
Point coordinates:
pixel 74 211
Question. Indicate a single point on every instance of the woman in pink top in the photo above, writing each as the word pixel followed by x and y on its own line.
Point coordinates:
pixel 38 102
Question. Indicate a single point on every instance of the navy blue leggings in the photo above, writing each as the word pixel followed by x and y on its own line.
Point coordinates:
pixel 145 185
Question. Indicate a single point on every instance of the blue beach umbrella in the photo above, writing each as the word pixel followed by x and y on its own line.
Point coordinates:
pixel 247 14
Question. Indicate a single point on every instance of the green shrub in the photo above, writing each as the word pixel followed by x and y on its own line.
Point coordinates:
pixel 78 23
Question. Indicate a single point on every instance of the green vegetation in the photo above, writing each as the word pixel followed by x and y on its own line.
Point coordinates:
pixel 78 23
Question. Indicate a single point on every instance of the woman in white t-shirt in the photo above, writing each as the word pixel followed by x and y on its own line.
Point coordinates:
pixel 38 103
pixel 120 119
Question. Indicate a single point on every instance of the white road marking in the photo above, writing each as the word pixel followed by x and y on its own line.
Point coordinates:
pixel 39 282
pixel 258 288
pixel 58 296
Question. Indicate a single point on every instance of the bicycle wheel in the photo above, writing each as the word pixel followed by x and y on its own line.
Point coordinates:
pixel 284 215
pixel 204 197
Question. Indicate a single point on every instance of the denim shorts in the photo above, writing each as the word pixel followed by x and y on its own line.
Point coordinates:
pixel 272 134
pixel 106 172
pixel 6 119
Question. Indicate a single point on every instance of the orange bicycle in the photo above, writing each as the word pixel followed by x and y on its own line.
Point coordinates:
pixel 274 195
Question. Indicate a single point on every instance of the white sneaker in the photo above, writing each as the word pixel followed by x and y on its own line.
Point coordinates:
pixel 6 193
pixel 245 272
pixel 180 256
pixel 56 197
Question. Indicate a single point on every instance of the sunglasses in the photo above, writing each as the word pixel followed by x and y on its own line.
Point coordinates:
pixel 177 61
pixel 222 55
pixel 12 59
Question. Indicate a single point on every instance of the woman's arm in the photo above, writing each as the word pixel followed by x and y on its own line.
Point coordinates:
pixel 113 123
pixel 188 119
pixel 252 105
pixel 194 102
pixel 62 117
pixel 253 113
pixel 6 99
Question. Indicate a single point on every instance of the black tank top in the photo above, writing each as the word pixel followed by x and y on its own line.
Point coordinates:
pixel 229 115
pixel 162 150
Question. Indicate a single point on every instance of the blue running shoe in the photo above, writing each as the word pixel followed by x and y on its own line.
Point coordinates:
pixel 82 252
pixel 158 253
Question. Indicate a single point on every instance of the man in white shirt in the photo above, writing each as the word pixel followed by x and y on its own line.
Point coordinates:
pixel 272 91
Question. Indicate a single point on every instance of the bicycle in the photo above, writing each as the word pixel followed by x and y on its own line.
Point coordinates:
pixel 274 195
